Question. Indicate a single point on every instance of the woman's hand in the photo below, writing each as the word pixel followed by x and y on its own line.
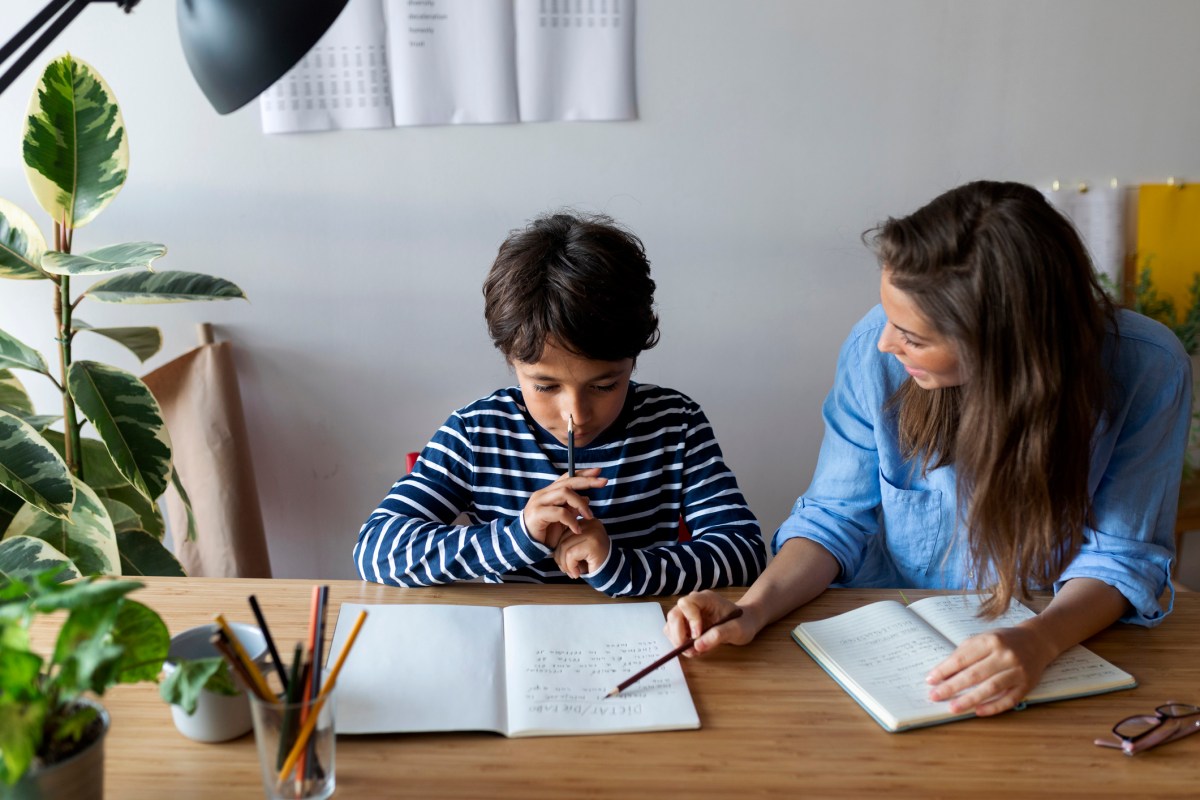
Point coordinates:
pixel 585 551
pixel 693 617
pixel 553 511
pixel 994 671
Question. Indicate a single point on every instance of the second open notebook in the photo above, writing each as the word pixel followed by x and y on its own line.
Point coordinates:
pixel 880 654
pixel 529 670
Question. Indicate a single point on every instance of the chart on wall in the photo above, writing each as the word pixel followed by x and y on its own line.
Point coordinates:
pixel 386 63
pixel 1098 214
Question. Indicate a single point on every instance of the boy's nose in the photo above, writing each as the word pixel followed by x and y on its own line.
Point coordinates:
pixel 574 408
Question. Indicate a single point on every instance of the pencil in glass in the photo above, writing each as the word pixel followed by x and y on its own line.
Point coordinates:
pixel 262 623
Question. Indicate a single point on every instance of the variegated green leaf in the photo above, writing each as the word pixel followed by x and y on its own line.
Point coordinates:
pixel 39 422
pixel 15 353
pixel 99 471
pixel 142 554
pixel 163 287
pixel 75 148
pixel 13 394
pixel 10 504
pixel 113 258
pixel 31 469
pixel 147 511
pixel 123 517
pixel 187 505
pixel 22 557
pixel 143 342
pixel 21 243
pixel 87 537
pixel 129 421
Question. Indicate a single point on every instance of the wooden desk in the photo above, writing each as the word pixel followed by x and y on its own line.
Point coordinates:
pixel 773 723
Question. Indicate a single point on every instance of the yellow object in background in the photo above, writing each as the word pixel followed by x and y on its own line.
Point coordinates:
pixel 1168 238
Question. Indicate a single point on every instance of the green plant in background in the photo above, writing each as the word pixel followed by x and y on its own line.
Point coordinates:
pixel 1146 300
pixel 106 639
pixel 86 503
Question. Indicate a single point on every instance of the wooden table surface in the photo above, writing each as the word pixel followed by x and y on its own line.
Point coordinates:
pixel 772 722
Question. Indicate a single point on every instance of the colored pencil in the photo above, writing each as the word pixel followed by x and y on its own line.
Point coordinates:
pixel 262 624
pixel 312 682
pixel 292 696
pixel 221 644
pixel 625 684
pixel 310 723
pixel 258 681
pixel 318 651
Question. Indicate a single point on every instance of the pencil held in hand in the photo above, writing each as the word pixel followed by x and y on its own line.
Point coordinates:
pixel 571 446
pixel 625 684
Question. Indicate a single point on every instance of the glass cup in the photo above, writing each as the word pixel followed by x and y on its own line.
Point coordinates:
pixel 278 729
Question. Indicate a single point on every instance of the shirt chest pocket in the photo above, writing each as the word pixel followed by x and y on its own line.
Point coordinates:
pixel 913 526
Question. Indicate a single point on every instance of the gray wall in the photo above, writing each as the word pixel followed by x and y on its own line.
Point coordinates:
pixel 771 135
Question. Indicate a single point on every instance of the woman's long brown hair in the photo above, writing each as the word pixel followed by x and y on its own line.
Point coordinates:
pixel 1000 273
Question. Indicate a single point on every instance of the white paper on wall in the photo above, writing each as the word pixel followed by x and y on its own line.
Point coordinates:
pixel 446 62
pixel 1098 214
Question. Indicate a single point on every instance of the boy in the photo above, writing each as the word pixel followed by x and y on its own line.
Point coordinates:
pixel 569 301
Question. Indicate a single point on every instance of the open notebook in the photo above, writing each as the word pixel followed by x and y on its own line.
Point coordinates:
pixel 880 654
pixel 529 670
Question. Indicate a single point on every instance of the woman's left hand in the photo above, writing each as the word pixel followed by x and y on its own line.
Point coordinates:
pixel 994 670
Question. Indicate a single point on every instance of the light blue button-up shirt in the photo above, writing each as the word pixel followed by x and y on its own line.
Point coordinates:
pixel 890 526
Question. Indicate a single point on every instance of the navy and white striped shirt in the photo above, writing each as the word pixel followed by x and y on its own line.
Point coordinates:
pixel 661 460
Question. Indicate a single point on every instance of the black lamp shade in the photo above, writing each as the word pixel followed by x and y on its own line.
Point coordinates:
pixel 238 48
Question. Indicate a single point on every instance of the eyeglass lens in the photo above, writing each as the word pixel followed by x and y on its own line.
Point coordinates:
pixel 1141 724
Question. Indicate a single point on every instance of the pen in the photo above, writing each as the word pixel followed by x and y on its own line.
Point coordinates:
pixel 625 684
pixel 571 446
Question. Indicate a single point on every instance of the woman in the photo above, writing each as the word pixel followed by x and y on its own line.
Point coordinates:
pixel 994 425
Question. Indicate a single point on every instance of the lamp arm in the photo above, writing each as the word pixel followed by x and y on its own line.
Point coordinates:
pixel 61 19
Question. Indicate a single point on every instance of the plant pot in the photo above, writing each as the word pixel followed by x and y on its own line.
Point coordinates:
pixel 217 717
pixel 79 777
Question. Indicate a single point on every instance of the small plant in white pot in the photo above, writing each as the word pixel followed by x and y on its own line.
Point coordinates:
pixel 52 726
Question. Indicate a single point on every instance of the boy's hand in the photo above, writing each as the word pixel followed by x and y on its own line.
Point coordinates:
pixel 555 510
pixel 583 551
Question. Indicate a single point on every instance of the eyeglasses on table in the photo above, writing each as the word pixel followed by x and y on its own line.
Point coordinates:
pixel 1170 721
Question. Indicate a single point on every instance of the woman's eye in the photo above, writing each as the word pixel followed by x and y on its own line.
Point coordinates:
pixel 910 343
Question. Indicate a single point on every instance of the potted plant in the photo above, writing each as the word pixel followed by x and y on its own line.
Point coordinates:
pixel 86 503
pixel 51 729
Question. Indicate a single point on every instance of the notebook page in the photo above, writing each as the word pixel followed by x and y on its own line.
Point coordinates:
pixel 881 654
pixel 421 668
pixel 563 660
pixel 1077 671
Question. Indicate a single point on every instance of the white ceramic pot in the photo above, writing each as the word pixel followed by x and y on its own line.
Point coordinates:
pixel 217 717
